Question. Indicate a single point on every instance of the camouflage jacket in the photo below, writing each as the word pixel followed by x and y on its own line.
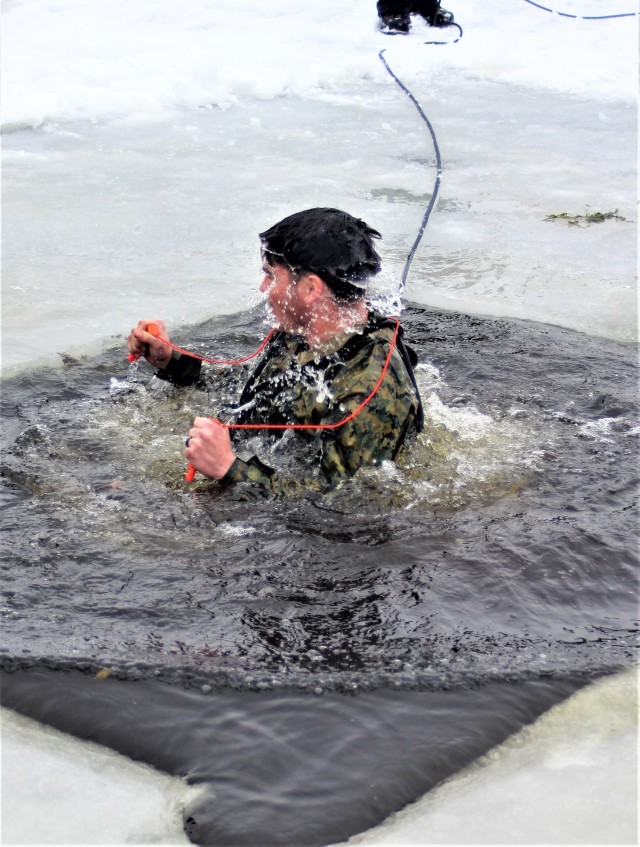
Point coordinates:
pixel 293 384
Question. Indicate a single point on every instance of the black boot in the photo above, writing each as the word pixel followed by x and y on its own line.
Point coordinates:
pixel 394 15
pixel 442 18
pixel 432 13
pixel 395 23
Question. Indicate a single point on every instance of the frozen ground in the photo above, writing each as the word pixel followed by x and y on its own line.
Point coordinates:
pixel 69 60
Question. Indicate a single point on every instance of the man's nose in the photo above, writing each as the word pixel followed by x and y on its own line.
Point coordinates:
pixel 266 282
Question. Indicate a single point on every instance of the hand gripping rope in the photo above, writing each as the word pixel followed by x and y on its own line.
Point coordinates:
pixel 152 329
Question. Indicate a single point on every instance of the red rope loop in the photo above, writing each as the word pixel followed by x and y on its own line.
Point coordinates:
pixel 221 361
pixel 337 425
pixel 191 471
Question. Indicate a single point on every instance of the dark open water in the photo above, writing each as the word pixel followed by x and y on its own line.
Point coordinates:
pixel 320 662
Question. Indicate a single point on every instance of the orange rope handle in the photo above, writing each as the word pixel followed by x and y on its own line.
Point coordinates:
pixel 152 329
pixel 191 471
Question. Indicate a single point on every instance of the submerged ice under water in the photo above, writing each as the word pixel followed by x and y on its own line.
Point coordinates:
pixel 495 554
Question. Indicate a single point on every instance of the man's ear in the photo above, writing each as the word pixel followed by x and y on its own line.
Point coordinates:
pixel 312 287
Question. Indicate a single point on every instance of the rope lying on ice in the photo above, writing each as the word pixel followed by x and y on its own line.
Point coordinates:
pixel 436 186
pixel 581 17
pixel 421 112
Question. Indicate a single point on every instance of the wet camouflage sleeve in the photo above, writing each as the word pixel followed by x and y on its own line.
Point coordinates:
pixel 181 370
pixel 375 434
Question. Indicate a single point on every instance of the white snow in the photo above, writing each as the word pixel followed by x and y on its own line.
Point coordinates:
pixel 91 59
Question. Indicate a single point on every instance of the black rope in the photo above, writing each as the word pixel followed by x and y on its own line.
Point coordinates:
pixel 454 41
pixel 432 201
pixel 436 186
pixel 581 17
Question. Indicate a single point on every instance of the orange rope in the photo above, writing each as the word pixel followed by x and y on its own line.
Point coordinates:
pixel 154 330
pixel 191 471
pixel 222 361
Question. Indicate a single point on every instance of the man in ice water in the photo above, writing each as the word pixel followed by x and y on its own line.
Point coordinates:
pixel 325 358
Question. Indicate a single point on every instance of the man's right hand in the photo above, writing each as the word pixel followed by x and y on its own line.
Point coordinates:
pixel 153 348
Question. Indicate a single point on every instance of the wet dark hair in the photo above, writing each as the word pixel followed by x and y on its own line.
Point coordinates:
pixel 330 243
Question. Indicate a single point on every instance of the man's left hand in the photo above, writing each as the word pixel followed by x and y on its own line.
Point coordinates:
pixel 209 448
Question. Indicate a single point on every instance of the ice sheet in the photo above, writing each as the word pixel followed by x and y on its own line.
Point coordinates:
pixel 83 793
